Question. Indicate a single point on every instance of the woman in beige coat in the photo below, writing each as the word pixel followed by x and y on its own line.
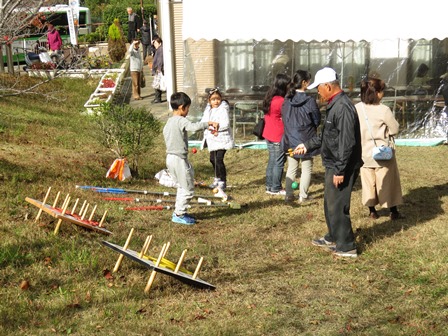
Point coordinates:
pixel 380 179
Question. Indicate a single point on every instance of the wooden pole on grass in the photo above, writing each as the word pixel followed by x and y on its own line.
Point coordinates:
pixel 153 273
pixel 120 258
pixel 196 272
pixel 43 204
pixel 58 225
pixel 181 260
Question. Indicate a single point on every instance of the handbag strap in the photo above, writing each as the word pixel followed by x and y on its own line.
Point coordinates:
pixel 368 125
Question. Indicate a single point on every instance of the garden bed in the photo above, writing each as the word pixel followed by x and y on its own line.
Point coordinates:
pixel 107 86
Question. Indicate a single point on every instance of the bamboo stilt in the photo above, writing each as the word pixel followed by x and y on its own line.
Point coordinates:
pixel 120 258
pixel 153 273
pixel 196 271
pixel 43 203
pixel 181 260
pixel 58 224
pixel 102 219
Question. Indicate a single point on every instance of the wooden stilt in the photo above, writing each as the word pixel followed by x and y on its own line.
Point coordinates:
pixel 196 271
pixel 181 260
pixel 153 273
pixel 56 199
pixel 82 208
pixel 58 224
pixel 120 258
pixel 65 201
pixel 145 246
pixel 91 214
pixel 43 203
pixel 166 249
pixel 85 211
pixel 74 207
pixel 102 219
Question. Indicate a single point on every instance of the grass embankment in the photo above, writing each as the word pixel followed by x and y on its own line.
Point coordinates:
pixel 270 280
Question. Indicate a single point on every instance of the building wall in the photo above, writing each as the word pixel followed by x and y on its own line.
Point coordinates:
pixel 178 46
pixel 202 57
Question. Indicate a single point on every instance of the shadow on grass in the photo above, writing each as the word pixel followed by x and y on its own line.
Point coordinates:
pixel 420 205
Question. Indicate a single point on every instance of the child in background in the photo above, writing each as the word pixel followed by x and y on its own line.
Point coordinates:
pixel 273 133
pixel 176 141
pixel 217 110
pixel 301 118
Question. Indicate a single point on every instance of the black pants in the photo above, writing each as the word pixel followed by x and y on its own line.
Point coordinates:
pixel 157 95
pixel 217 161
pixel 337 210
pixel 146 51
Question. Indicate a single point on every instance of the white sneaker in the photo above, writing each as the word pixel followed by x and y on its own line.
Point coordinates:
pixel 221 194
pixel 277 193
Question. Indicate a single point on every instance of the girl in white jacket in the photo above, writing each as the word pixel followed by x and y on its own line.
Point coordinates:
pixel 218 143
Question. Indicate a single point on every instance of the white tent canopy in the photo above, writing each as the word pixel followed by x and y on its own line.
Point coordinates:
pixel 308 20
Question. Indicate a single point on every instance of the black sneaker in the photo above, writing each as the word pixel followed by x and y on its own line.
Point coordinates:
pixel 322 242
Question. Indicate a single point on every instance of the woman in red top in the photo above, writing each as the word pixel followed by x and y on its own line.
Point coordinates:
pixel 273 133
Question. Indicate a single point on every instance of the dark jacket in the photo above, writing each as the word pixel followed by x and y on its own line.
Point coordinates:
pixel 145 31
pixel 157 63
pixel 340 141
pixel 301 117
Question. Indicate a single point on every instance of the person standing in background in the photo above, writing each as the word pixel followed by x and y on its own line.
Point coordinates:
pixel 380 179
pixel 145 31
pixel 340 147
pixel 301 117
pixel 54 42
pixel 136 68
pixel 133 24
pixel 157 67
pixel 273 133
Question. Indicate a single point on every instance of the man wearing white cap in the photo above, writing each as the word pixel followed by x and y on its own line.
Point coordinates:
pixel 340 145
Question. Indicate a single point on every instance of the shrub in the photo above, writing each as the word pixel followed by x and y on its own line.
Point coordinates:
pixel 116 44
pixel 126 131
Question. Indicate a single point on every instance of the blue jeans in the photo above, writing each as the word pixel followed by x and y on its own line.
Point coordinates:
pixel 274 170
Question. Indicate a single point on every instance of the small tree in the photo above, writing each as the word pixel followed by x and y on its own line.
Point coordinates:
pixel 116 44
pixel 127 132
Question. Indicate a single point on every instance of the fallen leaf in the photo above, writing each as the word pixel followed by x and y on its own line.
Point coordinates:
pixel 24 285
pixel 108 274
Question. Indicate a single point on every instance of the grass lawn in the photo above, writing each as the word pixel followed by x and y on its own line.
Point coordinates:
pixel 269 279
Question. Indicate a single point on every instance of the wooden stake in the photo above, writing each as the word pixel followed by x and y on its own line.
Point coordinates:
pixel 181 260
pixel 93 211
pixel 56 199
pixel 65 202
pixel 145 246
pixel 43 204
pixel 74 207
pixel 58 224
pixel 82 208
pixel 85 211
pixel 153 273
pixel 102 219
pixel 196 271
pixel 166 249
pixel 120 258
